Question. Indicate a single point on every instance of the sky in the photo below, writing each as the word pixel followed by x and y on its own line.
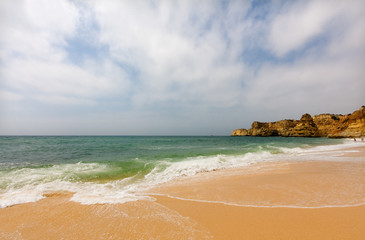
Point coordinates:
pixel 184 67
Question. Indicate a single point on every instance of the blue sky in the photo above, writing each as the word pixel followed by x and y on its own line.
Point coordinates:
pixel 176 67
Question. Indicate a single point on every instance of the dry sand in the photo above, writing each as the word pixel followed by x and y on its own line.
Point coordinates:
pixel 214 206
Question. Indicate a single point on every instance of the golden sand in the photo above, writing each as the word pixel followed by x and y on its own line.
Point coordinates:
pixel 57 218
pixel 214 206
pixel 232 222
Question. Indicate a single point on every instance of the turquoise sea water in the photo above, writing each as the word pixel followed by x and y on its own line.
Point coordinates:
pixel 110 169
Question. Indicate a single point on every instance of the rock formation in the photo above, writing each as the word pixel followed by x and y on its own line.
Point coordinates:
pixel 323 125
pixel 240 132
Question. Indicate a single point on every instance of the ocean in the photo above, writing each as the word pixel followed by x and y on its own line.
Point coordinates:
pixel 118 169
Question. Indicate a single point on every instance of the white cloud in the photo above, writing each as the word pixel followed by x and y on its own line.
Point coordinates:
pixel 154 64
pixel 32 28
pixel 35 63
pixel 182 49
pixel 308 85
pixel 42 80
pixel 349 32
pixel 300 22
pixel 9 96
pixel 189 55
pixel 325 78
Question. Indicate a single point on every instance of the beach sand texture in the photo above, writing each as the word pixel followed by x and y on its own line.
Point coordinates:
pixel 286 200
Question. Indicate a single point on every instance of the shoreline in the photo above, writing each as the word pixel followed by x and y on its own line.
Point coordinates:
pixel 189 214
pixel 311 184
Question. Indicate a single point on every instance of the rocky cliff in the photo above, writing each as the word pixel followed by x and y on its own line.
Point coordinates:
pixel 323 125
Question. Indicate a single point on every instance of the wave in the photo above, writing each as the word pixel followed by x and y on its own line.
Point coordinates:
pixel 31 184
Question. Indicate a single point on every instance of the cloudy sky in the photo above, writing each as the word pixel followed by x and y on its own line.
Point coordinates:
pixel 170 67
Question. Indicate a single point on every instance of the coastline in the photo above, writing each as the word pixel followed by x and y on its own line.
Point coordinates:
pixel 322 125
pixel 289 184
pixel 216 207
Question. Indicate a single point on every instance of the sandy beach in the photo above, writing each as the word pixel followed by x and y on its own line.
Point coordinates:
pixel 285 200
pixel 182 120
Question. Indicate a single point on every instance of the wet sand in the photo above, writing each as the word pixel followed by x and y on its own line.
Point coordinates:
pixel 55 217
pixel 216 205
pixel 232 222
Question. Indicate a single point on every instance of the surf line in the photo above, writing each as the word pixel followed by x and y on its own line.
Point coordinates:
pixel 255 206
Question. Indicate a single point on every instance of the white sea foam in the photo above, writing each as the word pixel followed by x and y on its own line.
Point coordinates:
pixel 30 184
pixel 167 171
pixel 322 153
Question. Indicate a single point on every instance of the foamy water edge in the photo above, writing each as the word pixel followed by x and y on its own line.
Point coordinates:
pixel 37 182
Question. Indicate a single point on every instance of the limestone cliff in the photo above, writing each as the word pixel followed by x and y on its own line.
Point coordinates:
pixel 323 125
pixel 240 132
pixel 327 123
pixel 352 125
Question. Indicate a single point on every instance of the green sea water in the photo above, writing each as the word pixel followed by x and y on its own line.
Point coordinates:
pixel 116 168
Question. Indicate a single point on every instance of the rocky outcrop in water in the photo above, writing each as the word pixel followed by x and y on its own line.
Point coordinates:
pixel 323 125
